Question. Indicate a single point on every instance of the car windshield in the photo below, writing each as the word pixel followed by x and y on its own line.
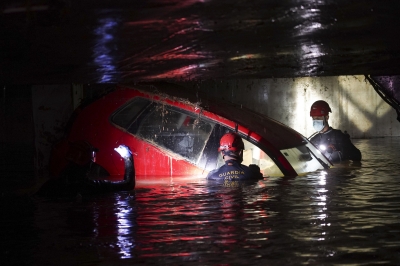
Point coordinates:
pixel 254 155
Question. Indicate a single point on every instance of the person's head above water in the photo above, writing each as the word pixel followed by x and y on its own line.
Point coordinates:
pixel 320 114
pixel 231 146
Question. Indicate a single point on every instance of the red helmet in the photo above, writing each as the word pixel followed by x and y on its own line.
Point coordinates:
pixel 231 142
pixel 320 108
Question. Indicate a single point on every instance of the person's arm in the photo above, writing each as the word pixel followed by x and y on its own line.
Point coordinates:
pixel 99 185
pixel 349 151
pixel 256 171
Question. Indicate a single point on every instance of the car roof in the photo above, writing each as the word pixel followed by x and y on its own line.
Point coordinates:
pixel 274 132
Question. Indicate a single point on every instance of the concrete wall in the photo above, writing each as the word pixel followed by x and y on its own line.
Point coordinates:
pixel 52 106
pixel 356 107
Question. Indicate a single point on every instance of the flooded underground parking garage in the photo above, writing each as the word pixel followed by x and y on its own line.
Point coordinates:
pixel 347 214
pixel 91 180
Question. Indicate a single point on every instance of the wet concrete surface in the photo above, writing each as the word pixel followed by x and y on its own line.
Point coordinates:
pixel 58 42
pixel 347 215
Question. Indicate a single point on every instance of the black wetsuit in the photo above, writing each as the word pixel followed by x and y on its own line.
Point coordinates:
pixel 75 181
pixel 232 170
pixel 344 148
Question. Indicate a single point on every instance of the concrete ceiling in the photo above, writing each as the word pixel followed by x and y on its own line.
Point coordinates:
pixel 108 41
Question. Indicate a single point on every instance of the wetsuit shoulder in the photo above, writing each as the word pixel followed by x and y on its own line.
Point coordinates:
pixel 234 171
pixel 315 139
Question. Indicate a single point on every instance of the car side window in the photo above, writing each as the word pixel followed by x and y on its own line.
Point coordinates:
pixel 254 155
pixel 176 130
pixel 126 116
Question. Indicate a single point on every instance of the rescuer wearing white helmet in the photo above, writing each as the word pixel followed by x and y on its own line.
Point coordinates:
pixel 231 148
pixel 333 143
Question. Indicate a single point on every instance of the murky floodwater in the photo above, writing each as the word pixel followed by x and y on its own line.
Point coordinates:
pixel 348 215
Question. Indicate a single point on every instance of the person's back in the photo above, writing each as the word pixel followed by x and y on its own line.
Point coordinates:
pixel 231 148
pixel 234 171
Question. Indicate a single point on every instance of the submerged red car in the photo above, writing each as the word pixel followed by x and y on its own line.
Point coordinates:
pixel 174 133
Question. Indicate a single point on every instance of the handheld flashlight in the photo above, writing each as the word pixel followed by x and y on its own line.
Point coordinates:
pixel 323 147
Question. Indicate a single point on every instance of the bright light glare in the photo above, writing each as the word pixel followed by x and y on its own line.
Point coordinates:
pixel 322 181
pixel 123 151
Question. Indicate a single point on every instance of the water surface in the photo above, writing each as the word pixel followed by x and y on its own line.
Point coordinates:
pixel 348 215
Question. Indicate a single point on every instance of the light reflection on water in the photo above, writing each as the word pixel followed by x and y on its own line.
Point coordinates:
pixel 346 215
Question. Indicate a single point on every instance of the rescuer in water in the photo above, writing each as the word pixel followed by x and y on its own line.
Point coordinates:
pixel 75 178
pixel 231 148
pixel 333 143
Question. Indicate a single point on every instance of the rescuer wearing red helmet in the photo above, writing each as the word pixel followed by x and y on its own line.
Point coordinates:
pixel 333 143
pixel 231 148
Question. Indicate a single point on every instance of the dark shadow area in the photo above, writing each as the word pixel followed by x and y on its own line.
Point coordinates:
pixel 54 41
pixel 16 137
